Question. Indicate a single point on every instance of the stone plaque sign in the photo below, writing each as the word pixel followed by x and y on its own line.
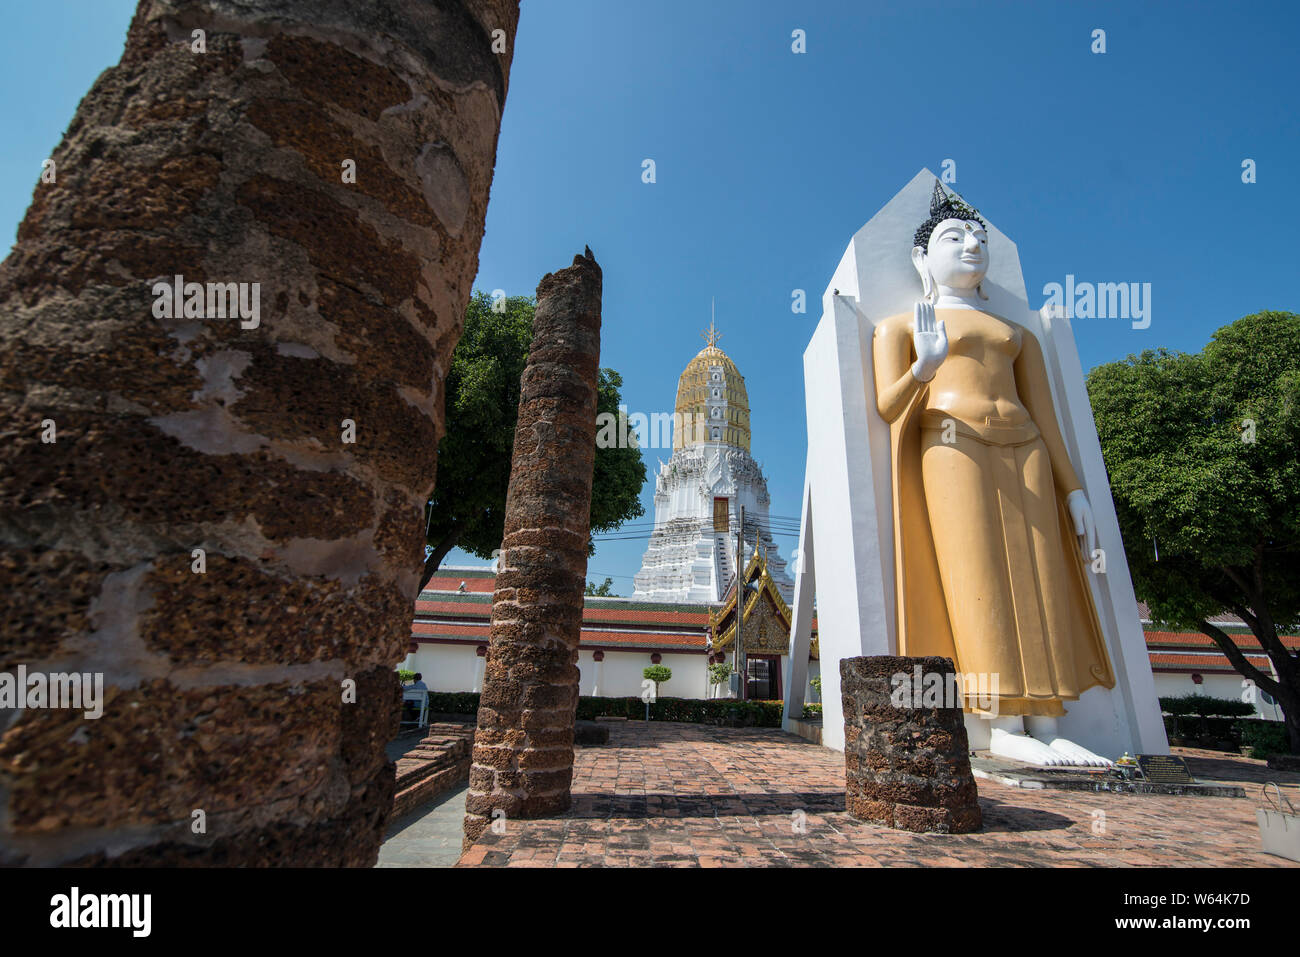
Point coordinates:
pixel 1164 768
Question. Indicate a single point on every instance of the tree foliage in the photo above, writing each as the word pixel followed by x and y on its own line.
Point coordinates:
pixel 604 590
pixel 658 674
pixel 467 508
pixel 1202 454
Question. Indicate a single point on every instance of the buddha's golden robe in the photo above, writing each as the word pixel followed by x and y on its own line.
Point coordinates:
pixel 987 567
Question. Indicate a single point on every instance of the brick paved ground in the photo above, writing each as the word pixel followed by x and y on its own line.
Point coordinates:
pixel 685 795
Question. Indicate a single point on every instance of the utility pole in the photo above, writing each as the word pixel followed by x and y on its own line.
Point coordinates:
pixel 740 608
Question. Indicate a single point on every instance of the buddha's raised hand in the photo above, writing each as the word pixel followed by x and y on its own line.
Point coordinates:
pixel 1085 527
pixel 930 340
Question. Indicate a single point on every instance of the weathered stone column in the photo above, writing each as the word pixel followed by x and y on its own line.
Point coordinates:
pixel 523 750
pixel 216 502
pixel 906 758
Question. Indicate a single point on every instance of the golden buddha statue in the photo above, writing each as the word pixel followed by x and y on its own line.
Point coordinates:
pixel 987 504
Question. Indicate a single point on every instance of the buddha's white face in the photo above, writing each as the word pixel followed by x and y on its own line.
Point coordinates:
pixel 957 255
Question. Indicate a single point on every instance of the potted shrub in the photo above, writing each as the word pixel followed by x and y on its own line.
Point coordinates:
pixel 658 674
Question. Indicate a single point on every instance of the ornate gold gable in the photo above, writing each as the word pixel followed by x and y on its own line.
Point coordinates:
pixel 767 616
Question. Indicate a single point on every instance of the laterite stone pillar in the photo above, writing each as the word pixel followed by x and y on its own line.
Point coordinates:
pixel 523 750
pixel 906 763
pixel 222 515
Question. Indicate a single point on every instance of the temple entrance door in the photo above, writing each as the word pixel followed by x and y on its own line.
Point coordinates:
pixel 764 677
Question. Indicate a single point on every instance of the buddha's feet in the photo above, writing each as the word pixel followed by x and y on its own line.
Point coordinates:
pixel 1021 747
pixel 1078 755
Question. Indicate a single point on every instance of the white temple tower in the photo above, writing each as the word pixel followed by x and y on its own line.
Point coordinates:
pixel 711 473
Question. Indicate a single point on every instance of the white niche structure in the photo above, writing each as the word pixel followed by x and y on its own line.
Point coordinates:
pixel 846 544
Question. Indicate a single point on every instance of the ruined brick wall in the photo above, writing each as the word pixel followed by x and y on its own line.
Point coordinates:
pixel 523 749
pixel 229 164
pixel 437 764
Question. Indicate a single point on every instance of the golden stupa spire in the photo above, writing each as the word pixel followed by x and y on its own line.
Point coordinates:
pixel 711 393
pixel 711 335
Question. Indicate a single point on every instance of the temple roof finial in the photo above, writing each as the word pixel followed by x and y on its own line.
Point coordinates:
pixel 711 335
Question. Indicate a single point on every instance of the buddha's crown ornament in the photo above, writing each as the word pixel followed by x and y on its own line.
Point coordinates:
pixel 944 205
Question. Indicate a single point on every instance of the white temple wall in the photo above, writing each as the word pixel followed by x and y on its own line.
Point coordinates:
pixel 448 667
pixel 1172 685
pixel 456 667
pixel 623 674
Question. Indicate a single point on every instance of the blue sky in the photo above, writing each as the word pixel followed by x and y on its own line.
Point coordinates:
pixel 1122 166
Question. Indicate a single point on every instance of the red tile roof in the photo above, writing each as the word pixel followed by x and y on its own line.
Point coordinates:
pixel 1223 618
pixel 1162 661
pixel 464 617
pixel 641 639
pixel 421 629
pixel 1161 639
pixel 479 606
pixel 699 619
pixel 591 637
pixel 452 583
pixel 464 609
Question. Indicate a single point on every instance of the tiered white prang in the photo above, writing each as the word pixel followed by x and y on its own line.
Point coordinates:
pixel 687 560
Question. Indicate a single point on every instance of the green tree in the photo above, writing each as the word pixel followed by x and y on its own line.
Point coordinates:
pixel 604 590
pixel 658 674
pixel 1202 453
pixel 467 509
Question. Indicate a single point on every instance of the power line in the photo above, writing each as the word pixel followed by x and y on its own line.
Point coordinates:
pixel 680 527
pixel 645 538
pixel 700 526
pixel 749 520
pixel 749 523
pixel 686 526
